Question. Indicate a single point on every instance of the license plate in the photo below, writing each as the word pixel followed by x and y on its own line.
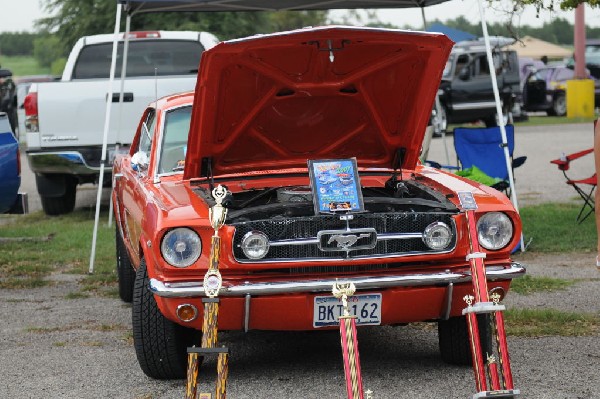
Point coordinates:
pixel 328 309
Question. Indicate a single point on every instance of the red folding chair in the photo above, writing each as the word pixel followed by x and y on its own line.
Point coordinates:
pixel 584 187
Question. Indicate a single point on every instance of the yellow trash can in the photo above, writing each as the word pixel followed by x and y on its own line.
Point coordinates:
pixel 580 98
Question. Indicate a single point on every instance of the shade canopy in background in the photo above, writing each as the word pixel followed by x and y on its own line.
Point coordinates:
pixel 142 6
pixel 132 7
pixel 531 47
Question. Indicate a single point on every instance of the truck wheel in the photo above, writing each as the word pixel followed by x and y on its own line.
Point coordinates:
pixel 58 204
pixel 453 336
pixel 160 345
pixel 125 270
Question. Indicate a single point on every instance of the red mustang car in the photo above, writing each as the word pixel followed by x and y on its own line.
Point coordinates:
pixel 263 109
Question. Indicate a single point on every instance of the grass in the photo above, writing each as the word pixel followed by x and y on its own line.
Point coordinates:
pixel 528 285
pixel 550 322
pixel 21 65
pixel 535 120
pixel 24 264
pixel 553 228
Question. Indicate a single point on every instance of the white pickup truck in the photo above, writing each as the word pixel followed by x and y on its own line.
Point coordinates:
pixel 65 119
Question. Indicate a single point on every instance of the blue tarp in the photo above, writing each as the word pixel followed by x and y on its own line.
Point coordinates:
pixel 454 34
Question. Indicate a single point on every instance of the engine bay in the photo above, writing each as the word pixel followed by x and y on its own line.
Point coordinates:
pixel 297 201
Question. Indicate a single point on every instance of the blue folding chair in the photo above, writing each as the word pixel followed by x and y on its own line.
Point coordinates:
pixel 482 147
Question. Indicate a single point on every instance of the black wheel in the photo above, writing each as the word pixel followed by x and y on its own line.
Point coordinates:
pixel 453 336
pixel 125 270
pixel 559 105
pixel 160 345
pixel 60 204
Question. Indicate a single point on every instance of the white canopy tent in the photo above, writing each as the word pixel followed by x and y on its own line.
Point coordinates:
pixel 132 7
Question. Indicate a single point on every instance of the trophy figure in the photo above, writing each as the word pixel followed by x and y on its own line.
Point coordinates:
pixel 349 342
pixel 212 285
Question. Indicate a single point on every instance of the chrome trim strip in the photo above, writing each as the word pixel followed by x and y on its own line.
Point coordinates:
pixel 475 105
pixel 247 313
pixel 188 289
pixel 293 241
pixel 399 236
pixel 448 302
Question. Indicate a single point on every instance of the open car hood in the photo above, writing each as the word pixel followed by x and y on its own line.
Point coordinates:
pixel 275 101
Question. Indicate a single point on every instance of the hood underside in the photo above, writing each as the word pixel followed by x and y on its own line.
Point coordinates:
pixel 276 101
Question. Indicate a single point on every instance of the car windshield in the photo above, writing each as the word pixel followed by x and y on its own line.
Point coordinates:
pixel 145 58
pixel 174 140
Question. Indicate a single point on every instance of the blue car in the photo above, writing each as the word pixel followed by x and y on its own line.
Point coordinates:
pixel 10 170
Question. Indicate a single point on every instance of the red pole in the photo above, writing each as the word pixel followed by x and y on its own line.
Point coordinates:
pixel 580 42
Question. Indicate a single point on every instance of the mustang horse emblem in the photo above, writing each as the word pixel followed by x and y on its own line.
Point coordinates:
pixel 346 240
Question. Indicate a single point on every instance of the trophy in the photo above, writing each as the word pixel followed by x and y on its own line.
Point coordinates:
pixel 498 381
pixel 212 285
pixel 349 343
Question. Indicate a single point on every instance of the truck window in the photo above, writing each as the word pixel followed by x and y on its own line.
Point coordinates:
pixel 166 57
pixel 482 67
pixel 174 141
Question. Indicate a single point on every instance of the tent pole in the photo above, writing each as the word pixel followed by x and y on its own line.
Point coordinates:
pixel 113 63
pixel 424 20
pixel 501 123
pixel 122 90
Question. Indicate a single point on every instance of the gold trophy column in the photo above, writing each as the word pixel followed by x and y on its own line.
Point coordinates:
pixel 349 343
pixel 212 286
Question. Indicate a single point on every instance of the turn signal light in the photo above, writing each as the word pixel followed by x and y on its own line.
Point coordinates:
pixel 187 312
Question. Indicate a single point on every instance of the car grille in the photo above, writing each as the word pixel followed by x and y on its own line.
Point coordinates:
pixel 306 230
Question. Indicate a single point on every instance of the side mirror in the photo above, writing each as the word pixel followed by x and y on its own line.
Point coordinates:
pixel 139 161
pixel 465 73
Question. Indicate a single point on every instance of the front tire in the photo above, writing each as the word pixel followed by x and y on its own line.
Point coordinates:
pixel 160 345
pixel 125 270
pixel 453 335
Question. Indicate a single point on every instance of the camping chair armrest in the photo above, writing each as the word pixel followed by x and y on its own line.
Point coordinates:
pixel 518 161
pixel 563 164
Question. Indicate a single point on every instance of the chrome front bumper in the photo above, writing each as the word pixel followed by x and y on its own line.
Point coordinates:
pixel 188 289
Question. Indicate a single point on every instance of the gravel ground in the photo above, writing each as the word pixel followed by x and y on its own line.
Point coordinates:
pixel 54 347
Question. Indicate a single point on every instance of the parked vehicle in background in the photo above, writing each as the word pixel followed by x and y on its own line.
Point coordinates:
pixel 10 170
pixel 65 119
pixel 592 62
pixel 23 84
pixel 265 106
pixel 466 92
pixel 545 89
pixel 8 97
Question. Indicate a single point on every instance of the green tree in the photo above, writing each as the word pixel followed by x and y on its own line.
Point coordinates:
pixel 17 43
pixel 46 50
pixel 72 19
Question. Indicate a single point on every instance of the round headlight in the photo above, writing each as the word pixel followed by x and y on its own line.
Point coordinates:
pixel 181 247
pixel 437 236
pixel 255 245
pixel 494 230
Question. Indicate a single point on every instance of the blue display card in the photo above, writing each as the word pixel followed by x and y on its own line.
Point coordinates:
pixel 335 185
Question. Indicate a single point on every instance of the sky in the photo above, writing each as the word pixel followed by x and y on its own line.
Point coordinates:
pixel 23 13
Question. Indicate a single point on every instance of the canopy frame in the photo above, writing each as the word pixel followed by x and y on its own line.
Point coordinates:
pixel 133 7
